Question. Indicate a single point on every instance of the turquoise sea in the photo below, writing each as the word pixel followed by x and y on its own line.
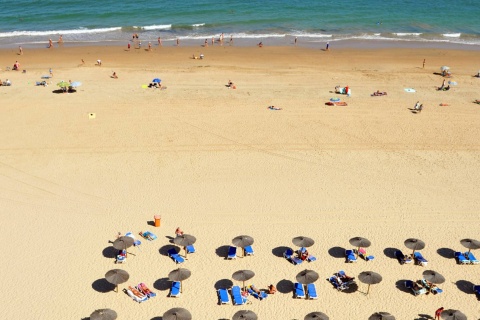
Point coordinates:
pixel 33 22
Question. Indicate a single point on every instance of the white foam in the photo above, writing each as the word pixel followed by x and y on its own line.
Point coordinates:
pixel 54 32
pixel 452 35
pixel 256 36
pixel 158 27
pixel 404 34
pixel 312 35
pixel 196 25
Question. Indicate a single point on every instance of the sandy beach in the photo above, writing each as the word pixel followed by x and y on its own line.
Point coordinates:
pixel 218 163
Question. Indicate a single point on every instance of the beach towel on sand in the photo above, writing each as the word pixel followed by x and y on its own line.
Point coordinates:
pixel 409 90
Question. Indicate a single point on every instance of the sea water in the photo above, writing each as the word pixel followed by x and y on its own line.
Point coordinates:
pixel 33 22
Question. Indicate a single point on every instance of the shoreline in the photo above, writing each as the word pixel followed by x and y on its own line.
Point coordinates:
pixel 271 42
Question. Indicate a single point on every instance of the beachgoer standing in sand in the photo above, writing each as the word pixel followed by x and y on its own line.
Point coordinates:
pixel 128 46
pixel 60 39
pixel 20 49
pixel 438 313
pixel 231 40
pixel 50 43
pixel 149 46
pixel 213 41
pixel 328 46
pixel 178 42
pixel 205 43
pixel 423 64
pixel 295 40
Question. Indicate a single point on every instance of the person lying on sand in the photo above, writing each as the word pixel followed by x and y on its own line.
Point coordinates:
pixel 443 88
pixel 230 84
pixel 271 289
pixel 378 93
pixel 274 108
pixel 476 101
pixel 154 85
pixel 255 289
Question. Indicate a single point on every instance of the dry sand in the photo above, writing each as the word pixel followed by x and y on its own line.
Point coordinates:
pixel 218 163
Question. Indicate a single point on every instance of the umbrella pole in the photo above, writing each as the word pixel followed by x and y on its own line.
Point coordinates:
pixel 186 253
pixel 116 288
pixel 368 290
pixel 181 287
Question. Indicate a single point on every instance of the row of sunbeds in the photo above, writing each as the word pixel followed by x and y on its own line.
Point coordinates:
pixel 300 293
pixel 232 252
pixel 140 293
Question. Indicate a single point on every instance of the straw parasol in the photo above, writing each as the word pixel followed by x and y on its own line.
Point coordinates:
pixel 242 241
pixel 245 315
pixel 307 276
pixel 381 316
pixel 370 277
pixel 302 241
pixel 360 242
pixel 414 244
pixel 103 314
pixel 316 316
pixel 177 314
pixel 470 244
pixel 116 277
pixel 185 240
pixel 451 314
pixel 433 277
pixel 243 275
pixel 179 274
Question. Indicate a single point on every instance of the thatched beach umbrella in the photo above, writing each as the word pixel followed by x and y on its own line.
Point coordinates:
pixel 470 244
pixel 302 241
pixel 243 275
pixel 103 314
pixel 381 316
pixel 316 316
pixel 360 242
pixel 242 241
pixel 177 314
pixel 453 315
pixel 185 240
pixel 116 277
pixel 180 274
pixel 433 277
pixel 370 277
pixel 244 315
pixel 307 276
pixel 414 244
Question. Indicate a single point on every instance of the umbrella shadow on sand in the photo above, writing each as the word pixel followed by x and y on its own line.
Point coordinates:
pixel 109 252
pixel 424 317
pixel 157 318
pixel 337 252
pixel 102 285
pixel 390 252
pixel 279 251
pixel 162 284
pixel 164 250
pixel 447 253
pixel 222 251
pixel 400 284
pixel 285 286
pixel 223 284
pixel 465 286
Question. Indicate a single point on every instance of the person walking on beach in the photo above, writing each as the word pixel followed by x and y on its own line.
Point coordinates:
pixel 231 40
pixel 178 42
pixel 20 49
pixel 128 46
pixel 213 41
pixel 50 44
pixel 149 46
pixel 438 313
pixel 60 39
pixel 206 43
pixel 423 67
pixel 295 40
pixel 328 46
pixel 159 42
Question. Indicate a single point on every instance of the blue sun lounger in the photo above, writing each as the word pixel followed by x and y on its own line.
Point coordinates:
pixel 237 296
pixel 289 255
pixel 476 289
pixel 223 296
pixel 310 258
pixel 420 259
pixel 311 291
pixel 190 249
pixel 299 290
pixel 350 256
pixel 472 258
pixel 402 259
pixel 175 289
pixel 248 250
pixel 172 253
pixel 232 253
pixel 461 258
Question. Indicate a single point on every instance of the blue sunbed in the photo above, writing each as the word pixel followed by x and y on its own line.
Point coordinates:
pixel 232 252
pixel 461 258
pixel 172 253
pixel 237 296
pixel 190 249
pixel 289 255
pixel 311 291
pixel 248 250
pixel 472 258
pixel 350 256
pixel 299 290
pixel 476 289
pixel 175 289
pixel 260 296
pixel 420 259
pixel 223 295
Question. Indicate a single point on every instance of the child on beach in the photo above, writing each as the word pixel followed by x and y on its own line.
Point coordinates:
pixel 114 75
pixel 178 232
